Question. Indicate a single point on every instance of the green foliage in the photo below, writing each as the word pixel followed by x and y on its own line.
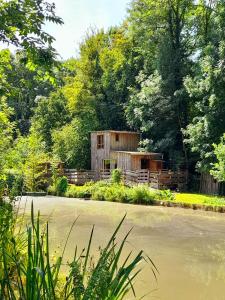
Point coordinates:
pixel 27 159
pixel 107 191
pixel 113 193
pixel 141 194
pixel 51 114
pixel 218 170
pixel 165 195
pixel 6 132
pixel 35 276
pixel 158 105
pixel 15 183
pixel 116 176
pixel 71 143
pixel 22 26
pixel 146 110
pixel 61 185
pixel 206 86
pixel 78 191
pixel 11 240
pixel 24 89
pixel 163 76
pixel 199 199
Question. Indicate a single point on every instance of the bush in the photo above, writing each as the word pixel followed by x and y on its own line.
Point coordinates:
pixel 61 186
pixel 110 192
pixel 99 193
pixel 14 184
pixel 74 191
pixel 141 194
pixel 165 195
pixel 116 176
pixel 107 191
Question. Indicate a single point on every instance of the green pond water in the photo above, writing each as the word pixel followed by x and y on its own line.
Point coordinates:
pixel 188 247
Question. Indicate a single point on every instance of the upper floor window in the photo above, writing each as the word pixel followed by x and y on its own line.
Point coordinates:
pixel 100 141
pixel 117 137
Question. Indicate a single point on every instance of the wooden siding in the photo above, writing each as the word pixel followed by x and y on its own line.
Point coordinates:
pixel 153 164
pixel 122 147
pixel 127 161
pixel 98 155
pixel 127 142
pixel 123 160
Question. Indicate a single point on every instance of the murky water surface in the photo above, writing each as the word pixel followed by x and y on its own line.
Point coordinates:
pixel 187 246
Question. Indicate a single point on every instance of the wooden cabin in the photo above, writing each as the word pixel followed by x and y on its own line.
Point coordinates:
pixel 118 149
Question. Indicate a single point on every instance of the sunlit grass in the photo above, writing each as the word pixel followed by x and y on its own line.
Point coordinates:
pixel 200 199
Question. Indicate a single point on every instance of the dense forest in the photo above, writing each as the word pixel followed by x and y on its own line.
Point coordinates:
pixel 161 72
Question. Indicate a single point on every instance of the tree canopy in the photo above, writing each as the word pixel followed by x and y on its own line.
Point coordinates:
pixel 161 72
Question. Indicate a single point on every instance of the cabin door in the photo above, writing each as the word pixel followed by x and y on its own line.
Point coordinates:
pixel 145 163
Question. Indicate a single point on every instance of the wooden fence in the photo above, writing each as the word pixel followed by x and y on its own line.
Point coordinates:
pixel 79 177
pixel 209 185
pixel 158 180
pixel 168 179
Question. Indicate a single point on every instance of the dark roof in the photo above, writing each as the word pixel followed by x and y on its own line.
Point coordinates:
pixel 116 131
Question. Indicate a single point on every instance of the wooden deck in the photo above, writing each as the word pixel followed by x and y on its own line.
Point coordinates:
pixel 159 180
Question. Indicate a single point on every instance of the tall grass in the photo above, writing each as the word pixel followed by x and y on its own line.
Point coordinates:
pixel 107 191
pixel 33 275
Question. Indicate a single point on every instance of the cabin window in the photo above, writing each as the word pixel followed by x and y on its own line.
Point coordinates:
pixel 117 137
pixel 106 164
pixel 100 141
pixel 109 164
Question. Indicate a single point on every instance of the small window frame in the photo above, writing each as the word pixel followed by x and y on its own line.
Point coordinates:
pixel 117 137
pixel 100 141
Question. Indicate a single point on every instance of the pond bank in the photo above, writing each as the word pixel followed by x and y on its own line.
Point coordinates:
pixel 217 209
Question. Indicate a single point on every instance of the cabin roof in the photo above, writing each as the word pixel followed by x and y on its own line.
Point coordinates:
pixel 138 153
pixel 116 131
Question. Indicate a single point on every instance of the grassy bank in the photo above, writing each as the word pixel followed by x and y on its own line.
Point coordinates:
pixel 199 199
pixel 142 194
pixel 116 192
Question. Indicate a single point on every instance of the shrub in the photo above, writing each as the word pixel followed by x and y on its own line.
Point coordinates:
pixel 116 176
pixel 141 194
pixel 61 186
pixel 106 191
pixel 14 184
pixel 74 191
pixel 110 192
pixel 165 195
pixel 99 193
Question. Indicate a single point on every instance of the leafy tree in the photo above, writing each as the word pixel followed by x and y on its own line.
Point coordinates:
pixel 164 39
pixel 72 141
pixel 22 26
pixel 24 88
pixel 50 114
pixel 6 132
pixel 27 159
pixel 218 170
pixel 118 73
pixel 102 74
pixel 206 90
